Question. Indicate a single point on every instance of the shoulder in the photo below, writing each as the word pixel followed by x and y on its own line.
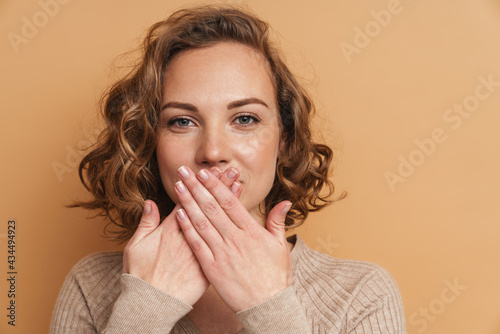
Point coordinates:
pixel 99 262
pixel 348 274
pixel 102 269
pixel 342 290
pixel 89 292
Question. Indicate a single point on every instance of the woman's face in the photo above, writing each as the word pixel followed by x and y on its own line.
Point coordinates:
pixel 219 109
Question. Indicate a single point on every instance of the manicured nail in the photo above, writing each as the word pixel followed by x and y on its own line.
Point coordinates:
pixel 235 187
pixel 203 175
pixel 216 171
pixel 287 208
pixel 147 208
pixel 181 214
pixel 231 174
pixel 183 172
pixel 180 187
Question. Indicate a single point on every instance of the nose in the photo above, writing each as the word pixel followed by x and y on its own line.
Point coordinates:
pixel 214 148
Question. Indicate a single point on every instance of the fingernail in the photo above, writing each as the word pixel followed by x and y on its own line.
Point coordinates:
pixel 231 174
pixel 181 214
pixel 180 187
pixel 203 175
pixel 147 208
pixel 235 187
pixel 183 172
pixel 287 208
pixel 216 171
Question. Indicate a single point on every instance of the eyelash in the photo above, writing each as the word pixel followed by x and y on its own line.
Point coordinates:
pixel 176 119
pixel 254 119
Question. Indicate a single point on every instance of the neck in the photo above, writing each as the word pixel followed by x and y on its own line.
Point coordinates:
pixel 259 217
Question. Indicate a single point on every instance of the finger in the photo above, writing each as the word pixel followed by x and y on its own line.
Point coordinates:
pixel 229 176
pixel 199 247
pixel 149 222
pixel 275 222
pixel 170 225
pixel 216 171
pixel 229 179
pixel 196 212
pixel 228 203
pixel 236 188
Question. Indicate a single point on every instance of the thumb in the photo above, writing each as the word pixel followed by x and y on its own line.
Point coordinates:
pixel 149 222
pixel 275 222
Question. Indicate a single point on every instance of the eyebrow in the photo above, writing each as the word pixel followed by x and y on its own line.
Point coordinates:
pixel 232 105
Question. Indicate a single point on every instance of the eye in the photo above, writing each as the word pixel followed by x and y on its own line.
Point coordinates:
pixel 181 122
pixel 246 119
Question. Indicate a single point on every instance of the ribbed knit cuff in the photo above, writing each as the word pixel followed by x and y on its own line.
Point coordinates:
pixel 282 313
pixel 141 308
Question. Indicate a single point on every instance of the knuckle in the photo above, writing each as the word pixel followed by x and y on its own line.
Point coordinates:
pixel 188 200
pixel 145 223
pixel 185 226
pixel 196 245
pixel 195 186
pixel 228 203
pixel 210 208
pixel 211 183
pixel 203 224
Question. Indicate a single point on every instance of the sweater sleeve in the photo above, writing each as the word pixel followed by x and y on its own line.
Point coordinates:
pixel 71 313
pixel 139 301
pixel 97 298
pixel 280 314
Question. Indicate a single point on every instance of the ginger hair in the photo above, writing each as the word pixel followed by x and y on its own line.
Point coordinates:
pixel 121 170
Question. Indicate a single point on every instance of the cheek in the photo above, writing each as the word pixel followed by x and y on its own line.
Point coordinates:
pixel 258 155
pixel 259 152
pixel 264 145
pixel 170 157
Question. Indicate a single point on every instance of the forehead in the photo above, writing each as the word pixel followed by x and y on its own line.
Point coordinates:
pixel 226 69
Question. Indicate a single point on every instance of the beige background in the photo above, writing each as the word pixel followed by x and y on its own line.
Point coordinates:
pixel 438 225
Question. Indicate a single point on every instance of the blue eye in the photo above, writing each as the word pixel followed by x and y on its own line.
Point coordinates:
pixel 181 122
pixel 246 119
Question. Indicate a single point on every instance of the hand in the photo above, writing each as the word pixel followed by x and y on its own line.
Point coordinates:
pixel 159 254
pixel 245 263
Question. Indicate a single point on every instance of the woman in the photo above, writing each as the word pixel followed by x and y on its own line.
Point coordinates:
pixel 206 160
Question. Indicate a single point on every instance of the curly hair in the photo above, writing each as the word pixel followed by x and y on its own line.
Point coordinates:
pixel 121 171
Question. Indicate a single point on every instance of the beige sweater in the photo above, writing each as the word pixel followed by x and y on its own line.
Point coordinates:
pixel 328 295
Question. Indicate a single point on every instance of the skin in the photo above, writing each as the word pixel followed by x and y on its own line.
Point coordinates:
pixel 219 114
pixel 210 79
